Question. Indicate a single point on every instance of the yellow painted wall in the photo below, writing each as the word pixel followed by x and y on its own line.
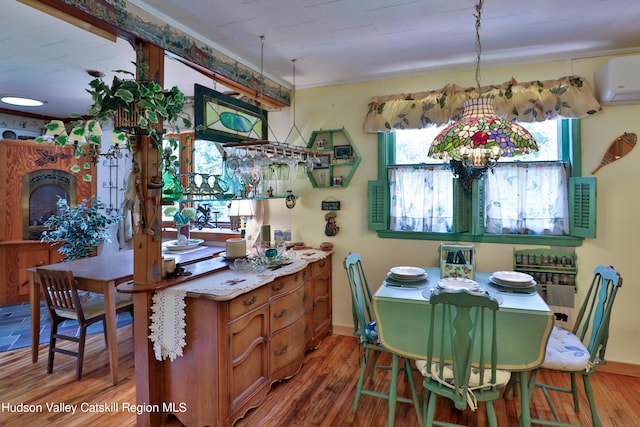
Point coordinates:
pixel 618 204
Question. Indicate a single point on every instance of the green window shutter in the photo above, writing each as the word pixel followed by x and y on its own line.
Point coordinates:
pixel 461 208
pixel 477 208
pixel 378 205
pixel 582 207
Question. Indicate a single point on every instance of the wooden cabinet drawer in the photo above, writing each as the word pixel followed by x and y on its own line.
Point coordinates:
pixel 321 265
pixel 285 284
pixel 286 309
pixel 287 351
pixel 247 302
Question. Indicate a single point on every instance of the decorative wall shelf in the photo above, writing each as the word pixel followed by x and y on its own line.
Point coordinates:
pixel 555 272
pixel 336 160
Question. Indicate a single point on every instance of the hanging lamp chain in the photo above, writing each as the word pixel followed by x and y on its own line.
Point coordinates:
pixel 261 69
pixel 293 96
pixel 478 16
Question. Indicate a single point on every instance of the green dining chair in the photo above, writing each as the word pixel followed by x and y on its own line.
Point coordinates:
pixel 462 354
pixel 579 351
pixel 365 329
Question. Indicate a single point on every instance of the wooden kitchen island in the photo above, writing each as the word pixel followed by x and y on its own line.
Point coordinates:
pixel 237 347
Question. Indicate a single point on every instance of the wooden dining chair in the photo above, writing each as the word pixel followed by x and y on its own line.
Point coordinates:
pixel 579 351
pixel 365 329
pixel 462 354
pixel 64 303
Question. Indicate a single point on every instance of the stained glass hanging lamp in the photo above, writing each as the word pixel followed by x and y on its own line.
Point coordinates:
pixel 480 137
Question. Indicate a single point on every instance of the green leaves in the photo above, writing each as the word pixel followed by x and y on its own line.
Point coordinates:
pixel 79 229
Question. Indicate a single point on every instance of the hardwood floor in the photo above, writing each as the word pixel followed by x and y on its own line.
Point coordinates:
pixel 320 395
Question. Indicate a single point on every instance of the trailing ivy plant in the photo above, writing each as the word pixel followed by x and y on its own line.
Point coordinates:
pixel 78 230
pixel 141 98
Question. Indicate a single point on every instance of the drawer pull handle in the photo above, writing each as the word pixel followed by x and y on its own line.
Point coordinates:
pixel 282 351
pixel 281 314
pixel 277 288
pixel 322 264
pixel 247 303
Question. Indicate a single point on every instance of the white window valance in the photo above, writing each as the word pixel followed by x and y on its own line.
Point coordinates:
pixel 567 97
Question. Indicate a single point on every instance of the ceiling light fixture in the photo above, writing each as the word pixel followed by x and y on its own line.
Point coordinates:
pixel 476 142
pixel 21 101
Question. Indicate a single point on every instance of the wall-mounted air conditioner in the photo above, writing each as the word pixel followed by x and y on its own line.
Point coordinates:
pixel 618 80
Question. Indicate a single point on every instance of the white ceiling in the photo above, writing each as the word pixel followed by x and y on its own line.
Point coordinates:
pixel 333 41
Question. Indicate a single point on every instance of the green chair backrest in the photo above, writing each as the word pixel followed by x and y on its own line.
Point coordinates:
pixel 361 297
pixel 462 338
pixel 592 321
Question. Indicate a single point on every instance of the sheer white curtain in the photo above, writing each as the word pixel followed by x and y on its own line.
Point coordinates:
pixel 421 198
pixel 527 199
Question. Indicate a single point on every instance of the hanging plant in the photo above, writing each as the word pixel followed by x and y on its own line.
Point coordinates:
pixel 137 106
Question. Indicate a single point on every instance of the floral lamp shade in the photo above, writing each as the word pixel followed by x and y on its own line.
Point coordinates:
pixel 480 134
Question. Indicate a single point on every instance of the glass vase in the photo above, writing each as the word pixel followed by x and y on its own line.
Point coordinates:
pixel 171 186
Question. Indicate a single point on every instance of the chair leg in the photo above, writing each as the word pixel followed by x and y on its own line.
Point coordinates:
pixel 412 384
pixel 104 328
pixel 512 386
pixel 374 360
pixel 52 344
pixel 430 411
pixel 491 414
pixel 592 403
pixel 81 341
pixel 574 392
pixel 363 369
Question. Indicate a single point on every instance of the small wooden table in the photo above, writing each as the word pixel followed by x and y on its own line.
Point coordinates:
pixel 100 274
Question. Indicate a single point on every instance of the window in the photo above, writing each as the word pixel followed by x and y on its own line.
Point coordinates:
pixel 527 199
pixel 201 157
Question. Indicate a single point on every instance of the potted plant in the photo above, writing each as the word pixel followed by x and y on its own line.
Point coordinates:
pixel 182 219
pixel 137 105
pixel 80 229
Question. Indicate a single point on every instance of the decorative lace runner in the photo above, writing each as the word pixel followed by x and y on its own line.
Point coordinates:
pixel 167 318
pixel 309 254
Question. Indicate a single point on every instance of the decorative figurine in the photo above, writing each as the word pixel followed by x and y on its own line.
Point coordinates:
pixel 331 229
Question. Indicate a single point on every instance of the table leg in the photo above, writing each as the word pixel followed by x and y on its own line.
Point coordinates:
pixel 34 302
pixel 112 331
pixel 525 414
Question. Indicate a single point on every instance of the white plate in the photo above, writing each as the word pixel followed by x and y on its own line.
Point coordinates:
pixel 406 271
pixel 407 279
pixel 511 284
pixel 458 283
pixel 528 289
pixel 174 245
pixel 402 278
pixel 512 277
